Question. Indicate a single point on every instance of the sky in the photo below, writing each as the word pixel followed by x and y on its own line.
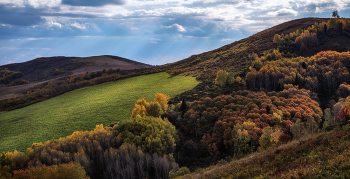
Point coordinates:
pixel 155 32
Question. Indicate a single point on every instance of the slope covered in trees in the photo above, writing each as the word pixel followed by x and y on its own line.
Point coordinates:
pixel 235 124
pixel 325 155
pixel 235 57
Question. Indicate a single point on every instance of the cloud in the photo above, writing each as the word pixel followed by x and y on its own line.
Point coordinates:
pixel 51 23
pixel 176 27
pixel 92 2
pixel 281 12
pixel 26 16
pixel 79 26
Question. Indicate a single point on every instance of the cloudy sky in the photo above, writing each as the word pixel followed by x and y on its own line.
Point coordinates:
pixel 150 31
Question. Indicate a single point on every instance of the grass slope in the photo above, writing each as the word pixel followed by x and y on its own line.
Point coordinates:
pixel 83 109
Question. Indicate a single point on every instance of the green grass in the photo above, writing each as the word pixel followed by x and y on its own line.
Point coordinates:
pixel 84 108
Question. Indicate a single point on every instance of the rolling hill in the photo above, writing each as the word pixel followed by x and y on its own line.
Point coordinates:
pixel 83 109
pixel 325 155
pixel 41 70
pixel 234 57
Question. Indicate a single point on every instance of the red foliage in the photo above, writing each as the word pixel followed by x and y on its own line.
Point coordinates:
pixel 284 138
pixel 214 119
pixel 343 114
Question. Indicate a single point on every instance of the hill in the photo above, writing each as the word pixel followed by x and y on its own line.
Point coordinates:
pixel 235 57
pixel 44 69
pixel 83 109
pixel 325 155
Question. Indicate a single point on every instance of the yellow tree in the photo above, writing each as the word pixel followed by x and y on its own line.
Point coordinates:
pixel 162 99
pixel 140 109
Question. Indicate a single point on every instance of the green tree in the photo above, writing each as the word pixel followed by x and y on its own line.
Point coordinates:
pixel 297 129
pixel 277 39
pixel 153 135
pixel 328 119
pixel 265 139
pixel 240 140
pixel 221 78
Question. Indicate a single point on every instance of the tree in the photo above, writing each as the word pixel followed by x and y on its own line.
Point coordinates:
pixel 265 139
pixel 335 14
pixel 240 140
pixel 183 107
pixel 221 78
pixel 328 119
pixel 154 109
pixel 162 99
pixel 277 39
pixel 153 135
pixel 140 109
pixel 277 116
pixel 297 129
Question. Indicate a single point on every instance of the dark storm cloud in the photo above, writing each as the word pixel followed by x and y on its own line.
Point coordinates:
pixel 19 16
pixel 92 2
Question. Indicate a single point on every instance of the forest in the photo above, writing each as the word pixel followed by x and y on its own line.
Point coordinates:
pixel 285 108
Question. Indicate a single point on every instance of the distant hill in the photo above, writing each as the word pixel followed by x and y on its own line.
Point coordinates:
pixel 41 69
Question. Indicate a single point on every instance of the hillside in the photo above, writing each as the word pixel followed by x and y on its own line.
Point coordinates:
pixel 234 57
pixel 43 68
pixel 325 155
pixel 83 109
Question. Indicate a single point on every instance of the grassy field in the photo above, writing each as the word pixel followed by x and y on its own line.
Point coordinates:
pixel 83 109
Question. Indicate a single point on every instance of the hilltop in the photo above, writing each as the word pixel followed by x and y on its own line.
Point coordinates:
pixel 44 69
pixel 235 57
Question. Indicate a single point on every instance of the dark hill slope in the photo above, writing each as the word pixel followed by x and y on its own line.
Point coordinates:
pixel 325 155
pixel 43 68
pixel 234 57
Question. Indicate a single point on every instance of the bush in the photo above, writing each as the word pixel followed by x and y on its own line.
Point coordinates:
pixel 67 171
pixel 182 171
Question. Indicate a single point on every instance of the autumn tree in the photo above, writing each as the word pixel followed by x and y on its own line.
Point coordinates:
pixel 153 135
pixel 155 109
pixel 221 78
pixel 297 129
pixel 162 99
pixel 265 139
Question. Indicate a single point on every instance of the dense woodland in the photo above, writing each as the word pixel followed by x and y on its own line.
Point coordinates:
pixel 279 98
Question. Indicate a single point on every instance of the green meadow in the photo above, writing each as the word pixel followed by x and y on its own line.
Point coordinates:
pixel 83 109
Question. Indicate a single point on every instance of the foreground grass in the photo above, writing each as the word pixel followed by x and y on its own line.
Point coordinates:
pixel 325 155
pixel 84 108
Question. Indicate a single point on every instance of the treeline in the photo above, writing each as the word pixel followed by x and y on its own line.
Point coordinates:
pixel 105 152
pixel 6 76
pixel 324 71
pixel 312 36
pixel 246 121
pixel 56 87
